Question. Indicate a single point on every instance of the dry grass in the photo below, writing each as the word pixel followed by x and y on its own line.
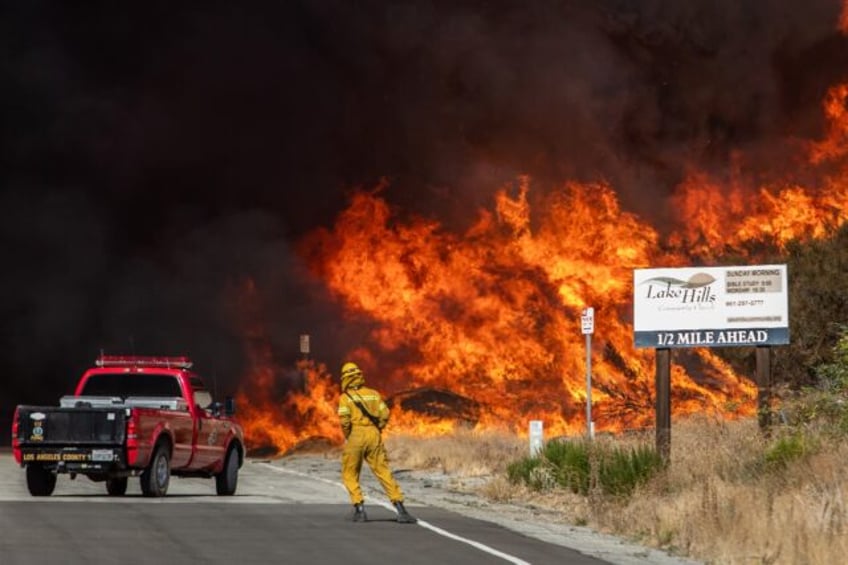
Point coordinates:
pixel 463 454
pixel 717 502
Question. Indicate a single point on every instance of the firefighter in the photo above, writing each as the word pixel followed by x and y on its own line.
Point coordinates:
pixel 363 415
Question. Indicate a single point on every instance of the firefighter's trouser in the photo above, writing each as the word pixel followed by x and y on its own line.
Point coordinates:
pixel 365 444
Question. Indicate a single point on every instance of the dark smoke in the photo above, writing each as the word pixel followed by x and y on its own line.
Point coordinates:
pixel 155 157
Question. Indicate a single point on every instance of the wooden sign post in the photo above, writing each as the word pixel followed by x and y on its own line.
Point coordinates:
pixel 764 388
pixel 663 400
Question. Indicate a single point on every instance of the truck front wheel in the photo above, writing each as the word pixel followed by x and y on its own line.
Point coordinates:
pixel 116 486
pixel 40 481
pixel 155 479
pixel 227 480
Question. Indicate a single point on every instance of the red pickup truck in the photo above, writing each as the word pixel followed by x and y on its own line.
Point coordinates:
pixel 130 416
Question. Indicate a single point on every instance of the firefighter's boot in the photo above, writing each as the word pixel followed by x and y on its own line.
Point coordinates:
pixel 359 514
pixel 403 516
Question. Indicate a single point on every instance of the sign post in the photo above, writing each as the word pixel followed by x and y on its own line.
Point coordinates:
pixel 663 403
pixel 587 324
pixel 304 350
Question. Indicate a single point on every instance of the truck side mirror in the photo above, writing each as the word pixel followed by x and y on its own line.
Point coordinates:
pixel 229 406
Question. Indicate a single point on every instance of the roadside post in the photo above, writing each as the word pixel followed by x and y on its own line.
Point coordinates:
pixel 304 350
pixel 764 391
pixel 587 324
pixel 663 402
pixel 537 437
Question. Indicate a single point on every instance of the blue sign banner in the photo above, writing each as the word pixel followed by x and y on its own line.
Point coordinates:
pixel 737 337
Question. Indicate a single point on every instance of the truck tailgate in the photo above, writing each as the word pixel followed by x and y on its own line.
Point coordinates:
pixel 51 426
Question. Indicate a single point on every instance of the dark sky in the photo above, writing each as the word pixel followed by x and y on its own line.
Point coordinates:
pixel 154 155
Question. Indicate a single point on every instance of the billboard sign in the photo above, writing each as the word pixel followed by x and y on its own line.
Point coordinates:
pixel 711 306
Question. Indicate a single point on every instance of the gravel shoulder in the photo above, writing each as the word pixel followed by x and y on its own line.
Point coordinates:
pixel 433 488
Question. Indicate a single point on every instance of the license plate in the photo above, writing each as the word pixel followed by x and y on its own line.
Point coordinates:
pixel 102 455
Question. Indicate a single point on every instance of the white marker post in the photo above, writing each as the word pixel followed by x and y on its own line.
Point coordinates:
pixel 537 437
pixel 587 323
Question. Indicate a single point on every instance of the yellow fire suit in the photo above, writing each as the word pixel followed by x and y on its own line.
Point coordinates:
pixel 364 442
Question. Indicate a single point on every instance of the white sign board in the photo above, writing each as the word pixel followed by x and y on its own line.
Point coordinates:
pixel 711 306
pixel 304 344
pixel 587 320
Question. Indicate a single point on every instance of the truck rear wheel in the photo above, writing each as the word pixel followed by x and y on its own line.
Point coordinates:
pixel 155 479
pixel 227 480
pixel 116 486
pixel 40 481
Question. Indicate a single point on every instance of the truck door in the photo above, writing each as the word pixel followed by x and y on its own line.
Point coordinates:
pixel 211 431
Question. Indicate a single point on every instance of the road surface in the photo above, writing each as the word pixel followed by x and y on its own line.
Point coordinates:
pixel 285 511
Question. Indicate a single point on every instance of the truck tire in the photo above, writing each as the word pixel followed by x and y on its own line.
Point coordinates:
pixel 155 479
pixel 40 481
pixel 116 486
pixel 227 480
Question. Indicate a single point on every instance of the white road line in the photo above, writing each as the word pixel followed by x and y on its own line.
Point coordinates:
pixel 476 544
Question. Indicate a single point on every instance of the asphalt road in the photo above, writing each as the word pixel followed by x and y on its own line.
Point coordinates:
pixel 277 516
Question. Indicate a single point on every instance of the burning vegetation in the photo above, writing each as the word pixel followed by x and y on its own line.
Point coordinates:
pixel 479 328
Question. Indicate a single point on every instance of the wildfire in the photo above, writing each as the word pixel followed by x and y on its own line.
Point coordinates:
pixel 481 329
pixel 716 217
pixel 281 407
pixel 843 19
pixel 836 112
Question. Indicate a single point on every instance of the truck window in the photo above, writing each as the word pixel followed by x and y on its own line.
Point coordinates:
pixel 202 397
pixel 132 384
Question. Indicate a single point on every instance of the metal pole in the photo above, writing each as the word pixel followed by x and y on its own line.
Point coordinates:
pixel 304 350
pixel 590 428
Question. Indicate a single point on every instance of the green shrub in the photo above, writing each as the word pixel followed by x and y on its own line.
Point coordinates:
pixel 580 465
pixel 520 471
pixel 570 461
pixel 621 471
pixel 823 407
pixel 833 375
pixel 786 449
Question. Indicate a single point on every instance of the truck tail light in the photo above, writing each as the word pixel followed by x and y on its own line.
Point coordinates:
pixel 16 443
pixel 132 439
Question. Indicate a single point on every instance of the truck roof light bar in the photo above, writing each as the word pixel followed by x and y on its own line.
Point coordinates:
pixel 143 361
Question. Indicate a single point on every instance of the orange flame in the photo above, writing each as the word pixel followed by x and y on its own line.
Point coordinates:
pixel 836 111
pixel 717 217
pixel 486 322
pixel 309 397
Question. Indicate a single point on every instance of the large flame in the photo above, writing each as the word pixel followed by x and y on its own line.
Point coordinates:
pixel 487 321
pixel 279 406
pixel 718 216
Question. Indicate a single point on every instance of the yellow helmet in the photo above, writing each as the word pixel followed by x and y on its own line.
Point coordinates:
pixel 351 376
